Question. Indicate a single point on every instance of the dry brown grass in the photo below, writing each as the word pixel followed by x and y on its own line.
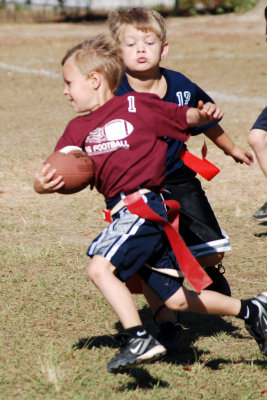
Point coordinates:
pixel 46 302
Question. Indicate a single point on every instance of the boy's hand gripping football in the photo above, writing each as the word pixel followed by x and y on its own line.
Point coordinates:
pixel 44 182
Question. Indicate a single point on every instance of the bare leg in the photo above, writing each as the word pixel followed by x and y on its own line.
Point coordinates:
pixel 101 273
pixel 210 259
pixel 257 139
pixel 205 302
pixel 165 314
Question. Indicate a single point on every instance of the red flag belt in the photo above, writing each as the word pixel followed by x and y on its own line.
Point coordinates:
pixel 189 266
pixel 201 166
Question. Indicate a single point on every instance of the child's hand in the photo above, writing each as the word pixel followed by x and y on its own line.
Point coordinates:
pixel 241 155
pixel 209 111
pixel 44 182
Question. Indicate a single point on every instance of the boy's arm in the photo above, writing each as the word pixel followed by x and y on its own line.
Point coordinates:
pixel 257 139
pixel 44 182
pixel 202 114
pixel 220 138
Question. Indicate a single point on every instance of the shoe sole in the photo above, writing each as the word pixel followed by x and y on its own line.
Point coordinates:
pixel 153 354
pixel 260 219
pixel 220 283
pixel 262 346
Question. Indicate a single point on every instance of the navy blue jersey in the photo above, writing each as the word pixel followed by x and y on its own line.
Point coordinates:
pixel 261 122
pixel 181 91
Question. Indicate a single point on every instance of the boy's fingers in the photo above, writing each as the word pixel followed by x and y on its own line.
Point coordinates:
pixel 200 104
pixel 49 175
pixel 52 183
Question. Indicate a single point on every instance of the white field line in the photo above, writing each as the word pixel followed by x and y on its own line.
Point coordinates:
pixel 233 98
pixel 24 70
pixel 218 54
pixel 216 95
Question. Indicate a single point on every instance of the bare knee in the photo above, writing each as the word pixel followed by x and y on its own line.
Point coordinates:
pixel 177 301
pixel 210 259
pixel 98 269
pixel 91 271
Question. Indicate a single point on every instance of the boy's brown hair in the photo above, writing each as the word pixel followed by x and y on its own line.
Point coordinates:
pixel 141 18
pixel 100 54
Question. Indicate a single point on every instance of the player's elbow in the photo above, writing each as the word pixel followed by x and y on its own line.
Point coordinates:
pixel 257 139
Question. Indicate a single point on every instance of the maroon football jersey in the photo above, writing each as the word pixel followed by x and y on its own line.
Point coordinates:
pixel 123 137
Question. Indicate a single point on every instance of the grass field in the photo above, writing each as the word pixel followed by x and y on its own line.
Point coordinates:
pixel 54 328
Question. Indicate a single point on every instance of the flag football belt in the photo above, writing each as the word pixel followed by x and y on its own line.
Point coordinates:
pixel 189 266
pixel 202 166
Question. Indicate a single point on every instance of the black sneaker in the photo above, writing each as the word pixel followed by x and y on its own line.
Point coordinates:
pixel 134 351
pixel 169 335
pixel 261 213
pixel 259 329
pixel 220 283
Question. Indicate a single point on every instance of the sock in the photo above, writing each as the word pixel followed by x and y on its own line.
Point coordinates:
pixel 249 312
pixel 137 331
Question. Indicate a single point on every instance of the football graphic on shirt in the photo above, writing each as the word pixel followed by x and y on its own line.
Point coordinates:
pixel 116 129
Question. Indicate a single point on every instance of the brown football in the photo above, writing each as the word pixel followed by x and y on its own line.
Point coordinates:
pixel 76 167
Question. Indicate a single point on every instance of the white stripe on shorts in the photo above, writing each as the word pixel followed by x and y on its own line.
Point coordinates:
pixel 112 237
pixel 216 246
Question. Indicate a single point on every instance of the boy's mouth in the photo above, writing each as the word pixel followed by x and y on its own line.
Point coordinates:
pixel 141 59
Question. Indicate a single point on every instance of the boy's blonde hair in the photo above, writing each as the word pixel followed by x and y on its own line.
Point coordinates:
pixel 141 18
pixel 100 54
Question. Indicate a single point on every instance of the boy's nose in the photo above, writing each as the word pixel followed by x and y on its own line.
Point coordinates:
pixel 140 47
pixel 141 50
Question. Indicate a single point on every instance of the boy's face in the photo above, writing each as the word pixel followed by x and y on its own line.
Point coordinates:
pixel 78 88
pixel 141 51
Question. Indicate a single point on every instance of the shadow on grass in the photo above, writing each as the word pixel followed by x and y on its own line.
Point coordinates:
pixel 195 326
pixel 95 341
pixel 261 234
pixel 143 380
pixel 217 363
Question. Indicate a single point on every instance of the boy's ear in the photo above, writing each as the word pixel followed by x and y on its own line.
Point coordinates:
pixel 164 50
pixel 95 79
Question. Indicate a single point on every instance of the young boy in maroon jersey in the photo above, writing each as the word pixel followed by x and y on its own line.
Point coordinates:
pixel 123 137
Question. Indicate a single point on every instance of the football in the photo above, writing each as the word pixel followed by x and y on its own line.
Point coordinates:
pixel 76 167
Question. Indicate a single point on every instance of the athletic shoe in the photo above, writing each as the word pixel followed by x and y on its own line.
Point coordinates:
pixel 258 329
pixel 135 351
pixel 220 284
pixel 169 335
pixel 261 213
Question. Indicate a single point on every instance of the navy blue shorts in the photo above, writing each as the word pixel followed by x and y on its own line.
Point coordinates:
pixel 130 243
pixel 261 122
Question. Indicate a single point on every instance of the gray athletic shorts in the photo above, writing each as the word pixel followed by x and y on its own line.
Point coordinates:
pixel 130 243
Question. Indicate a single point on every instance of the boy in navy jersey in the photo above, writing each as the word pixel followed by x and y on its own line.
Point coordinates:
pixel 141 34
pixel 123 137
pixel 257 139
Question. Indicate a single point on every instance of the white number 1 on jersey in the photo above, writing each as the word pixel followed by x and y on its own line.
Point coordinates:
pixel 131 106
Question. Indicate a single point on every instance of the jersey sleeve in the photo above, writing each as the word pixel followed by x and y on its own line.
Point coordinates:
pixel 200 94
pixel 70 137
pixel 261 121
pixel 170 120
